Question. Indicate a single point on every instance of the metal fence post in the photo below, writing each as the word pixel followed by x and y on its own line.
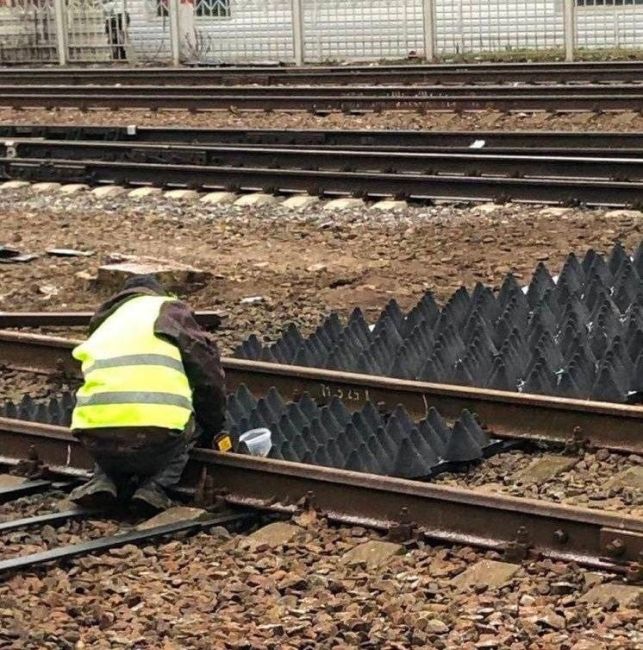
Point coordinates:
pixel 428 15
pixel 298 42
pixel 569 19
pixel 175 36
pixel 60 16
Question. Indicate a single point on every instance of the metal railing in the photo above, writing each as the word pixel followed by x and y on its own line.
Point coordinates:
pixel 300 31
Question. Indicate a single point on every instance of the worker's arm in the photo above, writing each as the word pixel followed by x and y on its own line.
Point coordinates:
pixel 202 365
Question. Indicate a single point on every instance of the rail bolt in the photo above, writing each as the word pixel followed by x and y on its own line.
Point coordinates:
pixel 560 536
pixel 616 547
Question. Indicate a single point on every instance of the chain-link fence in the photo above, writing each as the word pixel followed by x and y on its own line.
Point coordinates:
pixel 299 31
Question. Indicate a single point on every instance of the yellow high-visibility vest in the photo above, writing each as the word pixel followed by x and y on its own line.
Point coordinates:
pixel 132 377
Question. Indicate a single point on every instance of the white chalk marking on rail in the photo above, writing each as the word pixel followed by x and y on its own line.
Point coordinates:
pixel 426 405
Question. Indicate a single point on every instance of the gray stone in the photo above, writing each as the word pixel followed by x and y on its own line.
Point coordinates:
pixel 300 201
pixel 373 553
pixel 172 275
pixel 144 192
pixel 257 199
pixel 436 626
pixel 630 478
pixel 74 188
pixel 43 188
pixel 14 185
pixel 487 208
pixel 174 515
pixel 343 204
pixel 10 481
pixel 555 212
pixel 108 191
pixel 625 595
pixel 490 573
pixel 182 195
pixel 544 469
pixel 275 534
pixel 219 198
pixel 390 205
pixel 619 214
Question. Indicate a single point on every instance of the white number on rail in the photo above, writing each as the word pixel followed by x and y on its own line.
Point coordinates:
pixel 348 394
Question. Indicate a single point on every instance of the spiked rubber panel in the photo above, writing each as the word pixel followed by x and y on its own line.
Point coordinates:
pixel 391 444
pixel 578 335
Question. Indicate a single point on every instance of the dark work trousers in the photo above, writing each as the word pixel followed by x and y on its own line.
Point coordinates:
pixel 149 454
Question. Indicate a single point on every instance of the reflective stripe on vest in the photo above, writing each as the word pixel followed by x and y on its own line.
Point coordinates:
pixel 132 377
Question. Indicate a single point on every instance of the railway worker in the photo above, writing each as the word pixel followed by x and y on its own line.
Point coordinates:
pixel 153 387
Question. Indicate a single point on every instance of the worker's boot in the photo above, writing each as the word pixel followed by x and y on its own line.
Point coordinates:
pixel 98 493
pixel 151 498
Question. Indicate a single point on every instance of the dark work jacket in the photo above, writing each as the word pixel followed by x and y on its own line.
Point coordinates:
pixel 177 325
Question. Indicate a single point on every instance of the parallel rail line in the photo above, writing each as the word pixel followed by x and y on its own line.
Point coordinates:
pixel 317 182
pixel 328 99
pixel 508 415
pixel 443 513
pixel 595 72
pixel 470 163
pixel 403 140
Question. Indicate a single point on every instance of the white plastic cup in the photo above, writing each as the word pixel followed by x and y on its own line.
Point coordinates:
pixel 258 441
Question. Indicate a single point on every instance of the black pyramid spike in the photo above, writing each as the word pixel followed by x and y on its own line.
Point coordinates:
pixel 567 386
pixel 334 453
pixel 408 462
pixel 508 290
pixel 322 457
pixel 250 349
pixel 501 376
pixel 572 274
pixel 424 449
pixel 473 427
pixel 606 387
pixel 339 411
pixel 382 459
pixel 386 441
pixel 426 311
pixel 541 282
pixel 462 447
pixel 616 257
pixel 355 462
pixel 638 259
pixel 438 425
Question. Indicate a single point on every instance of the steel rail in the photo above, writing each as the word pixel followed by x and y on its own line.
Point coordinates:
pixel 448 514
pixel 470 163
pixel 25 489
pixel 396 91
pixel 208 319
pixel 506 414
pixel 315 101
pixel 452 73
pixel 402 140
pixel 101 544
pixel 290 181
pixel 51 518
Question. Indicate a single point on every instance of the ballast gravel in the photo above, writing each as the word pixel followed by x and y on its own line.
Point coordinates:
pixel 486 120
pixel 219 591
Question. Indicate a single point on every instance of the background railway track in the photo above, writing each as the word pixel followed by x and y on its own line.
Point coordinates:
pixel 493 167
pixel 328 98
pixel 597 72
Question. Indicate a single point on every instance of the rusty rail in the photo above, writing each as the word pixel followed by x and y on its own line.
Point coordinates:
pixel 208 319
pixel 443 513
pixel 508 415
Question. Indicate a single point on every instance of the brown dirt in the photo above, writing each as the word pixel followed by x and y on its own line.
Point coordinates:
pixel 448 121
pixel 301 265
